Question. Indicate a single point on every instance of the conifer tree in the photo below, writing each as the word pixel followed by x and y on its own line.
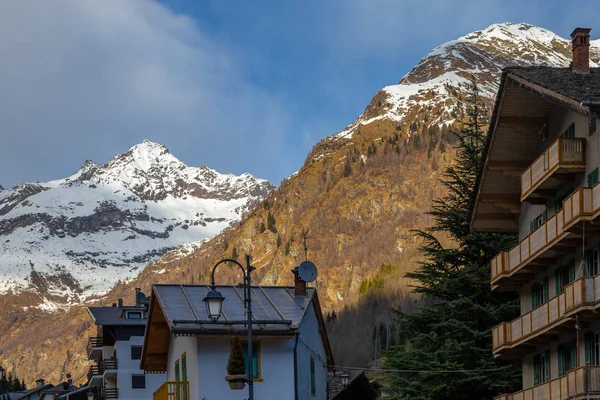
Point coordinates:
pixel 452 331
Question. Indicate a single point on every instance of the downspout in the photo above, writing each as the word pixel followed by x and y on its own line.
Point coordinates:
pixel 296 368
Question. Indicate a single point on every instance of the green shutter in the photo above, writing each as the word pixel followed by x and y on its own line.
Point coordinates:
pixel 593 178
pixel 561 359
pixel 592 126
pixel 587 259
pixel 573 350
pixel 184 376
pixel 534 295
pixel 546 294
pixel 313 380
pixel 531 226
pixel 588 339
pixel 547 363
pixel 571 130
pixel 545 216
pixel 558 280
pixel 571 271
pixel 537 361
pixel 255 366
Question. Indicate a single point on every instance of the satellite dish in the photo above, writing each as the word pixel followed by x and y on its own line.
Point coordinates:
pixel 307 271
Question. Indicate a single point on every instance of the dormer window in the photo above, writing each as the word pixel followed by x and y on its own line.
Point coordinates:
pixel 133 315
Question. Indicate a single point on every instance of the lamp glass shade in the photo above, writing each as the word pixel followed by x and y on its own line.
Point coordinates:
pixel 90 395
pixel 344 377
pixel 214 304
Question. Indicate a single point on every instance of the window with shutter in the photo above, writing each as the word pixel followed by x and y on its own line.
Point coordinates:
pixel 588 342
pixel 592 124
pixel 558 281
pixel 313 380
pixel 592 178
pixel 572 355
pixel 537 361
pixel 560 351
pixel 255 359
pixel 547 366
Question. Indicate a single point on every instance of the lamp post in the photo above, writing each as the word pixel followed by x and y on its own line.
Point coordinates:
pixel 344 379
pixel 214 307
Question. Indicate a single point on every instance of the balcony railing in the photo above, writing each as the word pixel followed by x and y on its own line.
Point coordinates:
pixel 94 347
pixel 551 314
pixel 576 384
pixel 173 391
pixel 565 155
pixel 101 367
pixel 110 393
pixel 583 204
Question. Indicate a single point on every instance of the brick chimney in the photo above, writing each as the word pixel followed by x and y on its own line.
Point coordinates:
pixel 40 383
pixel 299 284
pixel 580 46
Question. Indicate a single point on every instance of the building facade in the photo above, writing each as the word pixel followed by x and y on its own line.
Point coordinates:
pixel 539 178
pixel 291 353
pixel 117 349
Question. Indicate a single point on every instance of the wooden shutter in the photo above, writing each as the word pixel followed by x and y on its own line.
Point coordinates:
pixel 534 295
pixel 545 216
pixel 255 358
pixel 592 125
pixel 560 350
pixel 547 365
pixel 537 361
pixel 532 226
pixel 588 340
pixel 571 272
pixel 571 130
pixel 313 378
pixel 546 293
pixel 558 280
pixel 573 358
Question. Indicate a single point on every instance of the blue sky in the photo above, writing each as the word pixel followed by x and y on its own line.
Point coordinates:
pixel 239 86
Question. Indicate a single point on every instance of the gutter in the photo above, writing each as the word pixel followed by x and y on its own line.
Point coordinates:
pixel 296 368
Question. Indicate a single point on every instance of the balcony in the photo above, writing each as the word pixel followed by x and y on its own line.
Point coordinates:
pixel 559 235
pixel 94 347
pixel 173 391
pixel 577 384
pixel 548 171
pixel 106 367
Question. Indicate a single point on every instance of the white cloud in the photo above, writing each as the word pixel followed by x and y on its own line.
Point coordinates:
pixel 86 79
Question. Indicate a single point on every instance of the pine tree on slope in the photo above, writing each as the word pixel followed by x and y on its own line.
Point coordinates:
pixel 452 331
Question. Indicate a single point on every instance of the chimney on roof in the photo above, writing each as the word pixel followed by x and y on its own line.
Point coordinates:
pixel 580 46
pixel 120 301
pixel 299 284
pixel 40 383
pixel 137 297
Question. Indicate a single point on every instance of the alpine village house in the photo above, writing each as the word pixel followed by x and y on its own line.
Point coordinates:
pixel 291 352
pixel 539 177
pixel 117 350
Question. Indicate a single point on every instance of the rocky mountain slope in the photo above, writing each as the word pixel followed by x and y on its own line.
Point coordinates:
pixel 357 198
pixel 75 238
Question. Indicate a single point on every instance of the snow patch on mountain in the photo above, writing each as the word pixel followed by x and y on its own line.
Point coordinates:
pixel 74 238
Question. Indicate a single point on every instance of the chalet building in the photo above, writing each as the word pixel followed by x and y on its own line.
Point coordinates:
pixel 291 352
pixel 116 351
pixel 539 178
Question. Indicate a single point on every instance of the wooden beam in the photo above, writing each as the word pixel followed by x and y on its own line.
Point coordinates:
pixel 522 124
pixel 520 165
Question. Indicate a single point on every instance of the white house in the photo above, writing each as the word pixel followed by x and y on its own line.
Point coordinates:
pixel 291 350
pixel 117 350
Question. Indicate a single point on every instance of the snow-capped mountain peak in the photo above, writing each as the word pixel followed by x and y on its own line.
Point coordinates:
pixel 75 237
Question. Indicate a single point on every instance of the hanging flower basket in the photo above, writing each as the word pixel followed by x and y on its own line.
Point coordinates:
pixel 236 382
pixel 236 369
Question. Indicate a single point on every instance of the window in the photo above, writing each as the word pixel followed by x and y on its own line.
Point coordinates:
pixel 592 124
pixel 539 293
pixel 313 380
pixel 570 131
pixel 136 352
pixel 567 357
pixel 541 368
pixel 255 359
pixel 592 348
pixel 134 315
pixel 592 262
pixel 593 178
pixel 138 381
pixel 177 379
pixel 538 221
pixel 563 276
pixel 184 376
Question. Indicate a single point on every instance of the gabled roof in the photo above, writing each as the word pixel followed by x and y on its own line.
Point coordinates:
pixel 36 389
pixel 115 316
pixel 524 103
pixel 179 309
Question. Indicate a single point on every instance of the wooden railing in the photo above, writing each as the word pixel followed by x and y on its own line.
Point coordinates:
pixel 173 391
pixel 102 366
pixel 576 384
pixel 561 153
pixel 576 294
pixel 110 393
pixel 581 205
pixel 94 342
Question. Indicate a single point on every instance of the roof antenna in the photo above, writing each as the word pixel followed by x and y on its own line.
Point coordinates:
pixel 304 237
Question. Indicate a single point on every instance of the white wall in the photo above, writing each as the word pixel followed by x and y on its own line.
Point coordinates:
pixel 129 367
pixel 277 369
pixel 178 346
pixel 311 345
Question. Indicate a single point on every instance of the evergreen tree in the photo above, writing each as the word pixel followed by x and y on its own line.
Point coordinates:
pixel 271 223
pixel 452 331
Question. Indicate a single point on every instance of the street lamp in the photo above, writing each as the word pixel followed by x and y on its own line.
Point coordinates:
pixel 344 378
pixel 90 394
pixel 214 307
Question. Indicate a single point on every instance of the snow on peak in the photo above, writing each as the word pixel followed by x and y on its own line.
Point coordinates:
pixel 513 32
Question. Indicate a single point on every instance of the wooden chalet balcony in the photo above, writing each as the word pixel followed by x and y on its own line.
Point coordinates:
pixel 110 393
pixel 564 156
pixel 507 337
pixel 173 390
pixel 559 235
pixel 580 383
pixel 104 367
pixel 94 347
